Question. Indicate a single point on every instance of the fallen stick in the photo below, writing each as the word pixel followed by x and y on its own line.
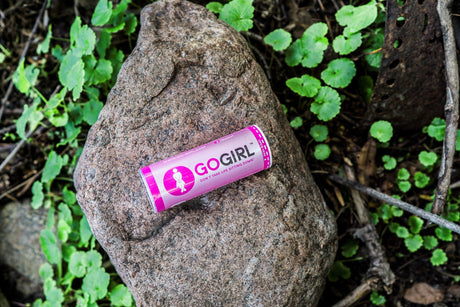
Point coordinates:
pixel 451 107
pixel 397 203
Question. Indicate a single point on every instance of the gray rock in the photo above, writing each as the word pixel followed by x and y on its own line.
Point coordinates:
pixel 20 250
pixel 266 240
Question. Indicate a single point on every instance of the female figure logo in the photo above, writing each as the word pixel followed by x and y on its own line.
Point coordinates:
pixel 179 182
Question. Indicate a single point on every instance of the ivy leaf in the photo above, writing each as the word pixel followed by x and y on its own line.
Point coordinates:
pixel 49 246
pixel 427 158
pixel 443 233
pixel 345 45
pixel 95 283
pixel 279 39
pixel 413 243
pixel 306 85
pixel 322 152
pixel 357 18
pixel 215 7
pixel 38 196
pixel 102 13
pixel 430 242
pixel 382 131
pixel 53 166
pixel 339 73
pixel 91 111
pixel 120 296
pixel 71 73
pixel 319 133
pixel 415 224
pixel 238 14
pixel 327 103
pixel 44 46
pixel 438 257
pixel 77 264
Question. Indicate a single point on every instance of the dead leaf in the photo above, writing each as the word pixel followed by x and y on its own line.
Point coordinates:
pixel 366 161
pixel 423 293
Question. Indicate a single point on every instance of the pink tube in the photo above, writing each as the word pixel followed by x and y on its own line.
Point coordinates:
pixel 206 168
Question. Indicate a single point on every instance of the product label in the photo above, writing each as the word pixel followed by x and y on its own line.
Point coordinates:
pixel 205 168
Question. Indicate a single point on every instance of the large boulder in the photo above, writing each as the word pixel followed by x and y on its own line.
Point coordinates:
pixel 266 240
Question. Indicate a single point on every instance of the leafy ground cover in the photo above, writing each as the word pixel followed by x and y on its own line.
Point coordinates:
pixel 321 58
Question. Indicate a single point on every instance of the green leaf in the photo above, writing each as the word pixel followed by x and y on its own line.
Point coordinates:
pixel 413 243
pixel 427 158
pixel 357 18
pixel 319 133
pixel 64 230
pixel 103 43
pixel 350 248
pixel 366 87
pixel 402 232
pixel 215 7
pixel 46 271
pixel 297 122
pixel 437 129
pixel 53 166
pixel 345 45
pixel 339 270
pixel 377 299
pixel 83 39
pixel 71 73
pixel 93 259
pixel 322 151
pixel 85 232
pixel 438 257
pixel 390 162
pixel 49 246
pixel 95 283
pixel 394 227
pixel 395 211
pixel 101 73
pixel 32 116
pixel 120 296
pixel 59 120
pixel 403 174
pixel 19 79
pixel 130 24
pixel 91 111
pixel 421 180
pixel 317 32
pixel 238 14
pixel 339 73
pixel 404 185
pixel 279 39
pixel 44 46
pixel 54 295
pixel 443 233
pixel 77 264
pixel 67 251
pixel 37 195
pixel 327 103
pixel 306 85
pixel 102 13
pixel 382 131
pixel 415 224
pixel 430 242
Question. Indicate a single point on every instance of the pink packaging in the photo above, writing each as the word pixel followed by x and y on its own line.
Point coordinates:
pixel 206 168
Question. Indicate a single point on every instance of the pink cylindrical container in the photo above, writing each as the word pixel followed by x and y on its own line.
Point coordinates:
pixel 206 168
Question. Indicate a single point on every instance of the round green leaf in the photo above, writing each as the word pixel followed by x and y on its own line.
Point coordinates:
pixel 402 232
pixel 403 174
pixel 93 259
pixel 357 18
pixel 120 296
pixel 415 224
pixel 345 45
pixel 339 73
pixel 102 13
pixel 404 186
pixel 215 7
pixel 279 39
pixel 49 246
pixel 306 85
pixel 322 151
pixel 438 257
pixel 427 158
pixel 437 129
pixel 91 111
pixel 421 180
pixel 430 242
pixel 390 162
pixel 95 283
pixel 238 14
pixel 297 122
pixel 413 243
pixel 77 264
pixel 327 103
pixel 319 133
pixel 382 131
pixel 443 233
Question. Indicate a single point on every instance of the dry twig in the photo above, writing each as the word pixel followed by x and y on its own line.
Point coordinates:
pixel 451 107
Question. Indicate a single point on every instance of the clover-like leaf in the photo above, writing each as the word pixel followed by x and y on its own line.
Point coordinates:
pixel 438 257
pixel 413 243
pixel 238 14
pixel 319 133
pixel 279 39
pixel 339 73
pixel 327 103
pixel 382 131
pixel 357 18
pixel 345 45
pixel 306 85
pixel 427 158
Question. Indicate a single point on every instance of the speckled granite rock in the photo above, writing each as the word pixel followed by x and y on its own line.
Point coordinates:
pixel 267 240
pixel 20 251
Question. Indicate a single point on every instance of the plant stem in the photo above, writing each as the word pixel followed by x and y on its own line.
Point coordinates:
pixel 398 203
